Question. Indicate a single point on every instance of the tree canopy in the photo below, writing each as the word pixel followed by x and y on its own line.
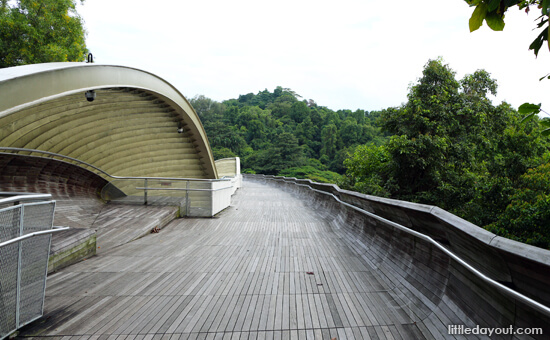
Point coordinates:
pixel 451 147
pixel 278 133
pixel 39 31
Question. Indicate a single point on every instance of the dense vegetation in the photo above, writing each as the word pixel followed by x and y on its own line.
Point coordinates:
pixel 523 213
pixel 448 145
pixel 276 133
pixel 451 147
pixel 33 31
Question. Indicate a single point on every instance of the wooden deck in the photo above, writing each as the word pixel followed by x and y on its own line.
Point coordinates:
pixel 266 268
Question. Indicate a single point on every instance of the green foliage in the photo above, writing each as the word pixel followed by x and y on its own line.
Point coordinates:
pixel 329 140
pixel 221 152
pixel 448 146
pixel 493 13
pixel 451 147
pixel 366 168
pixel 531 111
pixel 527 217
pixel 430 149
pixel 311 172
pixel 275 131
pixel 42 31
pixel 284 153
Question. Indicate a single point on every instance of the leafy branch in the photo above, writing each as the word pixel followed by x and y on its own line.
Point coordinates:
pixel 531 110
pixel 493 12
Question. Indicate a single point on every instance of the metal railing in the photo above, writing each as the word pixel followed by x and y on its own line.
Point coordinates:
pixel 489 281
pixel 26 225
pixel 195 196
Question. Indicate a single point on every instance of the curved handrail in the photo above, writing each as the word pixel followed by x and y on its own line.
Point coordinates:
pixel 38 233
pixel 107 174
pixel 29 197
pixel 506 290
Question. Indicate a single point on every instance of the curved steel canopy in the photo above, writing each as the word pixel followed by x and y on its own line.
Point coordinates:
pixel 44 102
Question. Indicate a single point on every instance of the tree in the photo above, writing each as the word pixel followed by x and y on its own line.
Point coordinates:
pixel 447 141
pixel 305 131
pixel 33 31
pixel 311 172
pixel 299 111
pixel 527 217
pixel 421 150
pixel 287 153
pixel 220 135
pixel 477 85
pixel 506 154
pixel 255 130
pixel 530 111
pixel 359 116
pixel 329 138
pixel 221 152
pixel 207 109
pixel 493 11
pixel 366 170
pixel 350 132
pixel 453 148
pixel 283 154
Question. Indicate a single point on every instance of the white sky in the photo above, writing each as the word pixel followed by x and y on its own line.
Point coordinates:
pixel 343 54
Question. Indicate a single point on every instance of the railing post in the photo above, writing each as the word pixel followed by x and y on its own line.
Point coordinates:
pixel 145 192
pixel 20 248
pixel 187 205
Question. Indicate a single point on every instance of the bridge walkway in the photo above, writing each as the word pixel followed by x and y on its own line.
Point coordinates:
pixel 268 267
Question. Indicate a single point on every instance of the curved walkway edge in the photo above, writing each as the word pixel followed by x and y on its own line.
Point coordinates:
pixel 267 267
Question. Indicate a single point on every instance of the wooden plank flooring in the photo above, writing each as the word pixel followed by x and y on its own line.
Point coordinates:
pixel 266 268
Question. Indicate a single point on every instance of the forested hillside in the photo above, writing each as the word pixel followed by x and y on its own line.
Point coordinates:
pixel 448 145
pixel 278 133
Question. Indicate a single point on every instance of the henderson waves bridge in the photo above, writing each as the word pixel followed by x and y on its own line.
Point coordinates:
pixel 279 258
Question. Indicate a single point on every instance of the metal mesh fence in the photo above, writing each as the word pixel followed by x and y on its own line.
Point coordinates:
pixel 9 255
pixel 24 264
pixel 34 261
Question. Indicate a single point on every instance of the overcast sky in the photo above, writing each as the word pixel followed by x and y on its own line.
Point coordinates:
pixel 343 54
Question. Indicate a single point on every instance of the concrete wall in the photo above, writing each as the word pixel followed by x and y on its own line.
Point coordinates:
pixel 217 198
pixel 437 273
pixel 229 167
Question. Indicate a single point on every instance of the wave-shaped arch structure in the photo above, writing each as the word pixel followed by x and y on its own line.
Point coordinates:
pixel 138 124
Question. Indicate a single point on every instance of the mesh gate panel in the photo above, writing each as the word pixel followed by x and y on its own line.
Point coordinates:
pixel 9 255
pixel 32 256
pixel 34 261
